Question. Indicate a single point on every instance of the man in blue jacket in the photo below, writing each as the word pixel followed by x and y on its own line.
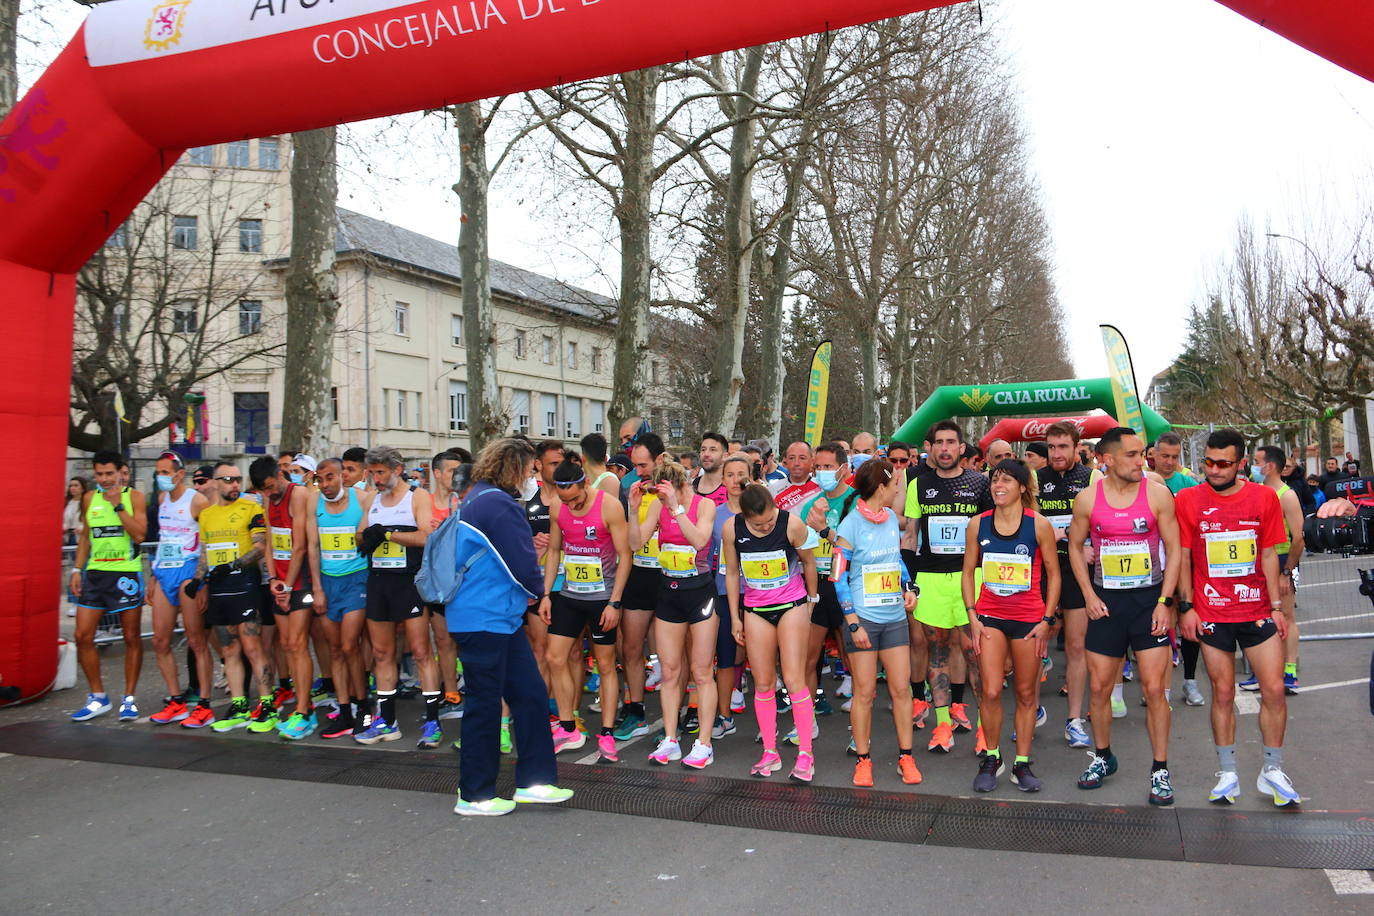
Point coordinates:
pixel 485 619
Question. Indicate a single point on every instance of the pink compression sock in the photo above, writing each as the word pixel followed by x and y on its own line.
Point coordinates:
pixel 804 716
pixel 766 711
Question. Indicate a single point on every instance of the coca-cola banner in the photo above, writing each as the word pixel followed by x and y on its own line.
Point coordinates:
pixel 1033 430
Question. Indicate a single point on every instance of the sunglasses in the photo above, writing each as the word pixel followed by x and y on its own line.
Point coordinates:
pixel 1221 464
pixel 900 461
pixel 200 480
pixel 228 479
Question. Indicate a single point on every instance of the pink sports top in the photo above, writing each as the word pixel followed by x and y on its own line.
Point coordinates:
pixel 1128 546
pixel 589 557
pixel 676 556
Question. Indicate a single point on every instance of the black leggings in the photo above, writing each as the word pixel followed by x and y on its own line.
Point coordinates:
pixel 1190 650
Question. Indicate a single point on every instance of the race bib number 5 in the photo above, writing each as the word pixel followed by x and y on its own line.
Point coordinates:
pixel 338 544
pixel 1231 553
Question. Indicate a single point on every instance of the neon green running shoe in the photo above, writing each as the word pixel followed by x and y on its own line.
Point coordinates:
pixel 264 718
pixel 237 716
pixel 506 745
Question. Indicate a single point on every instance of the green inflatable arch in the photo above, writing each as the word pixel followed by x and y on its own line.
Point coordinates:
pixel 1067 396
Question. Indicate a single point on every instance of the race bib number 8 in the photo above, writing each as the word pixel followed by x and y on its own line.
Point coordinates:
pixel 584 575
pixel 1125 565
pixel 222 553
pixel 765 571
pixel 946 533
pixel 1231 553
pixel 1006 573
pixel 882 585
pixel 678 560
pixel 389 555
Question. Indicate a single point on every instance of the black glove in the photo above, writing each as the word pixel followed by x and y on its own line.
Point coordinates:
pixel 191 587
pixel 219 573
pixel 372 538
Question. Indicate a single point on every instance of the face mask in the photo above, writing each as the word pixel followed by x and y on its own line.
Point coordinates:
pixel 1256 475
pixel 298 479
pixel 360 485
pixel 828 479
pixel 529 489
pixel 165 483
pixel 336 497
pixel 1220 487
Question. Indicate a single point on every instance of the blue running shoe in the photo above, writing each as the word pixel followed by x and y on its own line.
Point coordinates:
pixel 1227 789
pixel 298 726
pixel 1097 771
pixel 97 704
pixel 430 736
pixel 632 726
pixel 1041 717
pixel 1076 734
pixel 1127 672
pixel 593 684
pixel 1251 683
pixel 128 710
pixel 379 730
pixel 1290 684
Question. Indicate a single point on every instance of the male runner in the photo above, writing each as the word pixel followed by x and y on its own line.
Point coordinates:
pixel 999 450
pixel 823 511
pixel 640 598
pixel 441 469
pixel 1229 530
pixel 797 487
pixel 594 460
pixel 338 573
pixel 1060 483
pixel 1168 464
pixel 392 535
pixel 549 455
pixel 938 507
pixel 1270 461
pixel 1130 597
pixel 354 466
pixel 233 537
pixel 1037 457
pixel 178 554
pixel 711 454
pixel 288 506
pixel 864 444
pixel 107 578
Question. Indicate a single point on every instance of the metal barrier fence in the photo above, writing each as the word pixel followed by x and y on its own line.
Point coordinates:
pixel 1330 605
pixel 108 630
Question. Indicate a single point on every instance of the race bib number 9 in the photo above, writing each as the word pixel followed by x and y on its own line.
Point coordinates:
pixel 222 553
pixel 946 533
pixel 583 575
pixel 1231 553
pixel 1125 565
pixel 1006 573
pixel 882 585
pixel 678 560
pixel 765 571
pixel 389 555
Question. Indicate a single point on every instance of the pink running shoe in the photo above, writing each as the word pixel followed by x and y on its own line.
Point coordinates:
pixel 769 763
pixel 805 768
pixel 567 741
pixel 605 745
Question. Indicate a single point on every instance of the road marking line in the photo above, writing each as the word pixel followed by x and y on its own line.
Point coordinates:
pixel 594 756
pixel 1350 881
pixel 6 755
pixel 1303 623
pixel 1321 584
pixel 1248 704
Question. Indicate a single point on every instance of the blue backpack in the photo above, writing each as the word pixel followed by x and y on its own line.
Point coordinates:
pixel 439 578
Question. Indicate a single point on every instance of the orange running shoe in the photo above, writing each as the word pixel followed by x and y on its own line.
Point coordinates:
pixel 919 710
pixel 282 696
pixel 200 717
pixel 863 772
pixel 942 739
pixel 910 775
pixel 958 712
pixel 174 711
pixel 981 747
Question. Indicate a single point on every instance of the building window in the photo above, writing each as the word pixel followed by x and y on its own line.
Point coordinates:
pixel 457 406
pixel 547 349
pixel 596 359
pixel 400 404
pixel 185 318
pixel 401 320
pixel 184 232
pixel 573 419
pixel 548 409
pixel 334 404
pixel 269 154
pixel 117 316
pixel 202 155
pixel 250 235
pixel 653 371
pixel 520 410
pixel 119 238
pixel 238 154
pixel 456 329
pixel 250 316
pixel 519 344
pixel 598 418
pixel 250 421
pixel 572 354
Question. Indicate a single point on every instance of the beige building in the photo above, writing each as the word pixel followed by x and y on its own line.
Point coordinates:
pixel 400 352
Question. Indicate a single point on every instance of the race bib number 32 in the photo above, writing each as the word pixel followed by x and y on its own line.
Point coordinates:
pixel 1006 573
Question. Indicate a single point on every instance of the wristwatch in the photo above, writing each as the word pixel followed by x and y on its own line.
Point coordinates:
pixel 617 604
pixel 1184 606
pixel 1049 620
pixel 1166 600
pixel 825 532
pixel 853 628
pixel 813 599
pixel 680 510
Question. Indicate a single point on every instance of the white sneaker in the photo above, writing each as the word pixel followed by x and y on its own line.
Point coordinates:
pixel 701 756
pixel 791 737
pixel 1191 695
pixel 667 750
pixel 1118 708
pixel 844 707
pixel 846 688
pixel 737 700
pixel 1275 783
pixel 655 677
pixel 1227 788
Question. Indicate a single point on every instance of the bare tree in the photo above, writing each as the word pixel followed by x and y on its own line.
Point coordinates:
pixel 9 60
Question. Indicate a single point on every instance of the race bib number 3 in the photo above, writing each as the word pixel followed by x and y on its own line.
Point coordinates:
pixel 1006 573
pixel 1125 565
pixel 583 575
pixel 678 560
pixel 222 553
pixel 281 543
pixel 1231 553
pixel 946 533
pixel 338 544
pixel 389 556
pixel 882 585
pixel 765 571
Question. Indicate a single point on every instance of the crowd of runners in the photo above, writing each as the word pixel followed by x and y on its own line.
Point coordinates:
pixel 724 580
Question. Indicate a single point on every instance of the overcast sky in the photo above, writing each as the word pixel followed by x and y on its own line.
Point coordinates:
pixel 1156 125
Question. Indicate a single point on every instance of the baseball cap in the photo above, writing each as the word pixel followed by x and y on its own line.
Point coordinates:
pixel 306 462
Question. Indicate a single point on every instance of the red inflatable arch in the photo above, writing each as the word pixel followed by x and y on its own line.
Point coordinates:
pixel 1024 429
pixel 145 79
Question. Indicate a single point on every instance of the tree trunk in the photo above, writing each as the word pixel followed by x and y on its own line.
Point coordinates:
pixel 634 214
pixel 9 70
pixel 1323 441
pixel 868 345
pixel 312 302
pixel 485 417
pixel 727 375
pixel 1361 411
